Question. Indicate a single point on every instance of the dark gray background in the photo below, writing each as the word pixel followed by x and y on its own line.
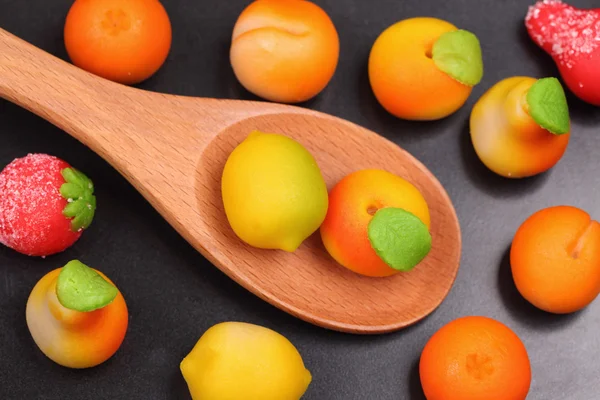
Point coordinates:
pixel 174 294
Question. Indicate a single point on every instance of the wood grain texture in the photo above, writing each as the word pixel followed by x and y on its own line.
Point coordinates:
pixel 173 149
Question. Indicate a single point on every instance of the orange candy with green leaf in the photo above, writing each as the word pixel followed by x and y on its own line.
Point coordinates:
pixel 520 126
pixel 424 68
pixel 76 316
pixel 377 224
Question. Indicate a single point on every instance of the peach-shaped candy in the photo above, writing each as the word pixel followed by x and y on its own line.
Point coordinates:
pixel 76 316
pixel 424 68
pixel 377 223
pixel 555 259
pixel 284 51
pixel 520 126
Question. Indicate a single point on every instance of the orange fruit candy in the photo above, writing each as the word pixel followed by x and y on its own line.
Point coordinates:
pixel 284 51
pixel 475 358
pixel 404 77
pixel 555 259
pixel 72 338
pixel 353 202
pixel 505 136
pixel 125 41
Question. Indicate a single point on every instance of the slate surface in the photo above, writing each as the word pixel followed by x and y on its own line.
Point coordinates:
pixel 174 294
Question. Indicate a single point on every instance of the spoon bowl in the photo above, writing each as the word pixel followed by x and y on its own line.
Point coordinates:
pixel 172 149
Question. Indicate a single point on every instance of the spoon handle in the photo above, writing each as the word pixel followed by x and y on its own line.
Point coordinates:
pixel 110 118
pixel 57 91
pixel 128 127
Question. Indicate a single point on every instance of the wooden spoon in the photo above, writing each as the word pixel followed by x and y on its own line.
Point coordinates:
pixel 172 149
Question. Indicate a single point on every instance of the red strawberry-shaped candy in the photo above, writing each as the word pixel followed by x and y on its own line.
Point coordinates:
pixel 572 37
pixel 45 205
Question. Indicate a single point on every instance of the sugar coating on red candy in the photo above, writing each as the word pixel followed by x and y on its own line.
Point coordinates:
pixel 572 37
pixel 31 206
pixel 566 33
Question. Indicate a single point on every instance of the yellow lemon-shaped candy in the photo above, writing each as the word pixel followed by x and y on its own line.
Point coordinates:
pixel 273 192
pixel 235 361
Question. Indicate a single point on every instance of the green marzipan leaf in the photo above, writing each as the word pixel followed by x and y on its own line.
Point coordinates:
pixel 548 105
pixel 73 209
pixel 458 53
pixel 69 174
pixel 80 288
pixel 399 238
pixel 78 190
pixel 70 190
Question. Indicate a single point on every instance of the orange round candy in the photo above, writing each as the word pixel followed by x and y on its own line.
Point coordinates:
pixel 284 51
pixel 125 41
pixel 475 358
pixel 353 202
pixel 555 259
pixel 72 338
pixel 404 77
